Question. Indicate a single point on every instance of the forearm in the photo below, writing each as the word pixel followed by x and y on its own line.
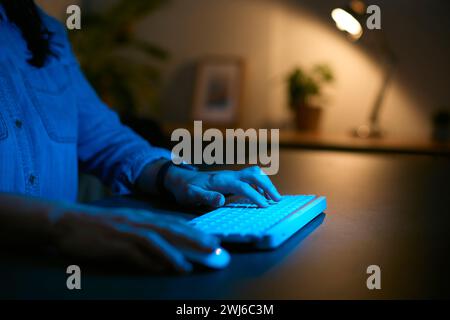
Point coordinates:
pixel 25 220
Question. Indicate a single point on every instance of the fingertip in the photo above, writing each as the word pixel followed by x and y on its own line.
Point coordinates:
pixel 181 264
pixel 275 195
pixel 263 204
pixel 214 243
pixel 184 267
pixel 219 200
pixel 207 242
pixel 215 200
pixel 260 200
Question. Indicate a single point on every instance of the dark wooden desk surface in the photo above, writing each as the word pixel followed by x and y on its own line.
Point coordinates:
pixel 384 209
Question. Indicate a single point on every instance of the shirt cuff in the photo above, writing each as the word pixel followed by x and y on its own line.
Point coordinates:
pixel 131 169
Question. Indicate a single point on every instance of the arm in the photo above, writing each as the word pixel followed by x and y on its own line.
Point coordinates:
pixel 194 188
pixel 25 220
pixel 106 148
pixel 125 161
pixel 143 239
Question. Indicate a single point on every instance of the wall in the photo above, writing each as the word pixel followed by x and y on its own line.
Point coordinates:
pixel 56 8
pixel 275 35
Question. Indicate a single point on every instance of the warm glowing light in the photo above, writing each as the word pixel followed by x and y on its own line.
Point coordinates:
pixel 346 22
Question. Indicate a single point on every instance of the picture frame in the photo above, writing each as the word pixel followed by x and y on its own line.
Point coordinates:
pixel 218 90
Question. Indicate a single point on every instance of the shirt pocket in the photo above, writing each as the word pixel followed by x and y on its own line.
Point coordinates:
pixel 50 89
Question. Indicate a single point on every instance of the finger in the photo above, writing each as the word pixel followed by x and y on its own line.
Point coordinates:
pixel 244 189
pixel 231 184
pixel 176 230
pixel 171 254
pixel 259 190
pixel 184 235
pixel 111 249
pixel 257 177
pixel 205 197
pixel 152 244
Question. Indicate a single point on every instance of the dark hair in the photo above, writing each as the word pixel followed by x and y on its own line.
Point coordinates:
pixel 25 15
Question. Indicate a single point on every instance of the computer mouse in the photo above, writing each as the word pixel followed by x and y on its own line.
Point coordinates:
pixel 218 259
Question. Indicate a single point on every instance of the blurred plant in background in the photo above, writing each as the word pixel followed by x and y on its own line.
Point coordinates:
pixel 122 68
pixel 303 85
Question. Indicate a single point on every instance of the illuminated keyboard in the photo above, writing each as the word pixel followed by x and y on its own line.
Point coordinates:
pixel 266 228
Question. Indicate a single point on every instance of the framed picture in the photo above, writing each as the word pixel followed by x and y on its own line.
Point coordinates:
pixel 218 91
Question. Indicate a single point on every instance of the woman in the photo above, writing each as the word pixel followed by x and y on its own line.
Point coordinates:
pixel 51 121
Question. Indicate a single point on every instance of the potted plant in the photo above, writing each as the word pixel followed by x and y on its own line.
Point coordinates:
pixel 302 87
pixel 123 69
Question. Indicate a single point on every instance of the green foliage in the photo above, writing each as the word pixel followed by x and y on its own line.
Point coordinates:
pixel 129 84
pixel 303 85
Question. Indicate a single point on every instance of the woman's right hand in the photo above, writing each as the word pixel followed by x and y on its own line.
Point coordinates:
pixel 147 240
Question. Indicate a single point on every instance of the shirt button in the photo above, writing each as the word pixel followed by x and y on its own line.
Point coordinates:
pixel 18 124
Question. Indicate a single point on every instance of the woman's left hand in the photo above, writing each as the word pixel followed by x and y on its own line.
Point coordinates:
pixel 209 188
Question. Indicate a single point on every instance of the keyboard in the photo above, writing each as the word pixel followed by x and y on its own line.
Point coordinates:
pixel 265 228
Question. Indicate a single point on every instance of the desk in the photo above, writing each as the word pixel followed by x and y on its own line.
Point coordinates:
pixel 384 209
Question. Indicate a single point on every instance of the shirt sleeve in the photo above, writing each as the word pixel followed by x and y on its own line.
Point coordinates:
pixel 107 148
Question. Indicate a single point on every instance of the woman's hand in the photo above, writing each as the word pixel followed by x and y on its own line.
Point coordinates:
pixel 210 188
pixel 149 241
pixel 141 238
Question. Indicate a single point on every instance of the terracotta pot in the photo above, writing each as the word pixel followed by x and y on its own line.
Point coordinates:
pixel 308 118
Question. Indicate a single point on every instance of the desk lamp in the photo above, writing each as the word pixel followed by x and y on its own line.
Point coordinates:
pixel 350 20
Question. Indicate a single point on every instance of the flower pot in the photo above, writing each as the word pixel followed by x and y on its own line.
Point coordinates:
pixel 308 117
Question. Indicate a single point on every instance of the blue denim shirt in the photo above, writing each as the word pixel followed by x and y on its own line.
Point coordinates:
pixel 52 121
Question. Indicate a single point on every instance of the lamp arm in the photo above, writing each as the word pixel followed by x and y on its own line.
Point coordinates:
pixel 390 68
pixel 374 115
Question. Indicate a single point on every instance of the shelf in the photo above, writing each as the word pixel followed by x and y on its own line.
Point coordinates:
pixel 346 142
